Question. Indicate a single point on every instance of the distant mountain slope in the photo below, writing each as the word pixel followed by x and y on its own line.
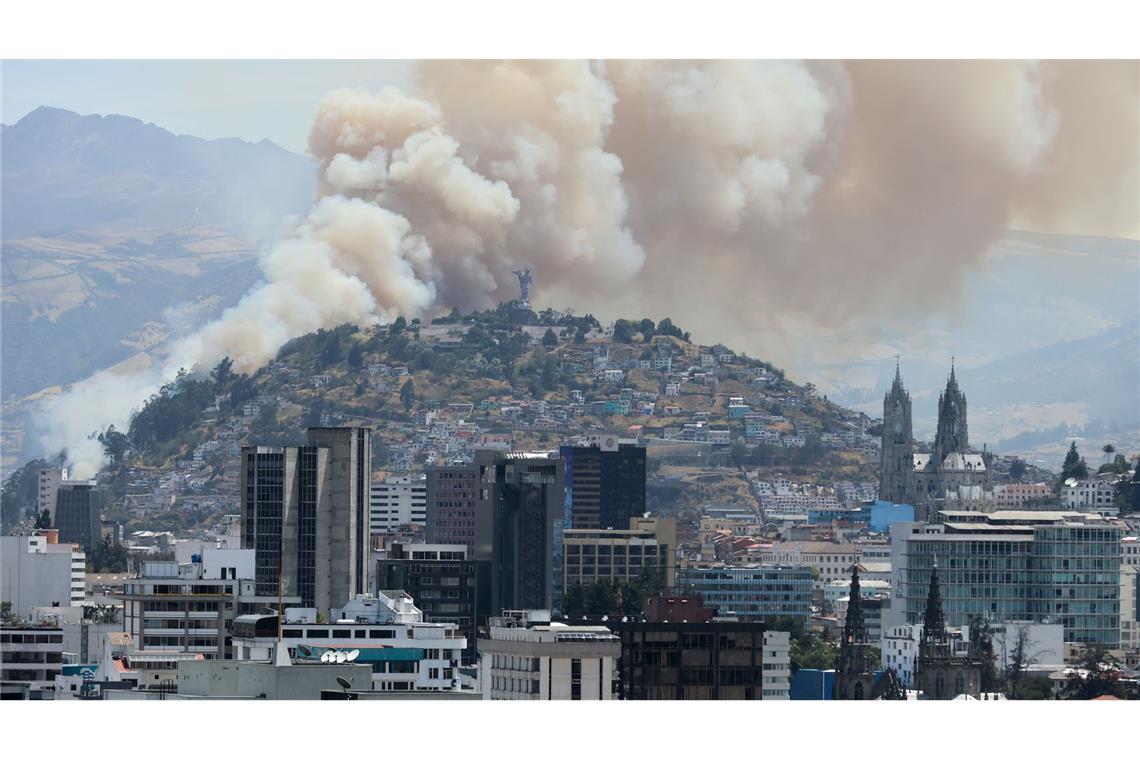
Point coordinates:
pixel 1102 370
pixel 63 172
pixel 112 227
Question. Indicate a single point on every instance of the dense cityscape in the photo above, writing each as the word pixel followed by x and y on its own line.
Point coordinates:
pixel 443 558
pixel 539 380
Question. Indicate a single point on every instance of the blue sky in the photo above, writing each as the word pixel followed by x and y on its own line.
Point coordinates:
pixel 210 99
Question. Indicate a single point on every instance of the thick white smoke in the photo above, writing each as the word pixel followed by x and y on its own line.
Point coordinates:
pixel 746 200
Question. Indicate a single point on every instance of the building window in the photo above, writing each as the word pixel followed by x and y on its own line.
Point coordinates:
pixel 575 679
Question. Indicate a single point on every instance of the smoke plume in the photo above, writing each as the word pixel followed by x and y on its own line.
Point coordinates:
pixel 752 202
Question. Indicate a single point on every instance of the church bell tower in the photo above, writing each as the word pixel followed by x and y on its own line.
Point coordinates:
pixel 896 473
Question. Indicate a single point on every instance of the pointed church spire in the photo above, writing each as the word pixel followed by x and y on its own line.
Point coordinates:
pixel 855 627
pixel 933 623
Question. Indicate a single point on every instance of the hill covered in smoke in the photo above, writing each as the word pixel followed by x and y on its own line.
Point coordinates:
pixel 759 200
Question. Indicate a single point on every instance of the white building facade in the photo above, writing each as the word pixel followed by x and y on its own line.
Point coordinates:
pixel 385 632
pixel 527 657
pixel 397 501
pixel 38 572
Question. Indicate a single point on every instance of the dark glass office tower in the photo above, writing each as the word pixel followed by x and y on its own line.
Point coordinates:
pixel 79 513
pixel 605 484
pixel 307 508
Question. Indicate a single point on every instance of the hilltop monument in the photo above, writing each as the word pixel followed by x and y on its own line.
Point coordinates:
pixel 525 279
pixel 521 313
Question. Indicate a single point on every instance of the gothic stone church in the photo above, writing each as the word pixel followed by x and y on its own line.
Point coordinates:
pixel 910 477
pixel 940 672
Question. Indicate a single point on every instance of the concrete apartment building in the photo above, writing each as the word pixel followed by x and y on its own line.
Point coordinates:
pixel 387 632
pixel 528 657
pixel 49 480
pixel 752 592
pixel 304 511
pixel 1036 566
pixel 445 584
pixel 36 570
pixel 397 501
pixel 191 607
pixel 647 548
pixel 30 659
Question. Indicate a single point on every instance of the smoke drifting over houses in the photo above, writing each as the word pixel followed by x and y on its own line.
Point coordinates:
pixel 737 198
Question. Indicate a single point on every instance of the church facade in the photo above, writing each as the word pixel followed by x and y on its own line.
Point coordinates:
pixel 915 477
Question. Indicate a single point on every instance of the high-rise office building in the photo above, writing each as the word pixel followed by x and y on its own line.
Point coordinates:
pixel 304 510
pixel 503 507
pixel 79 512
pixel 1036 566
pixel 520 495
pixel 605 483
pixel 452 494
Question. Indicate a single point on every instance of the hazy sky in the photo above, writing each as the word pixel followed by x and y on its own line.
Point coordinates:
pixel 210 99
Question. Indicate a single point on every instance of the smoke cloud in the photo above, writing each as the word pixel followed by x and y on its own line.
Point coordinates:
pixel 752 202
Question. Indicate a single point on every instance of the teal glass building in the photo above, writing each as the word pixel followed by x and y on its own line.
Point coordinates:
pixel 1043 567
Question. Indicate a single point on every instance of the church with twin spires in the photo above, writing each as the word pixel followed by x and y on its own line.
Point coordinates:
pixel 908 476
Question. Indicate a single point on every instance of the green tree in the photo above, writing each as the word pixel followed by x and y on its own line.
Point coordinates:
pixel 574 602
pixel 408 394
pixel 331 351
pixel 356 356
pixel 1017 469
pixel 549 339
pixel 1097 674
pixel 1033 687
pixel 6 615
pixel 982 648
pixel 623 331
pixel 647 329
pixel 115 444
pixel 398 326
pixel 222 374
pixel 603 598
pixel 43 519
pixel 1074 465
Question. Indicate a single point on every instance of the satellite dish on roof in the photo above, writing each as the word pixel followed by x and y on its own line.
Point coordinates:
pixel 1070 482
pixel 341 657
pixel 327 657
pixel 352 655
